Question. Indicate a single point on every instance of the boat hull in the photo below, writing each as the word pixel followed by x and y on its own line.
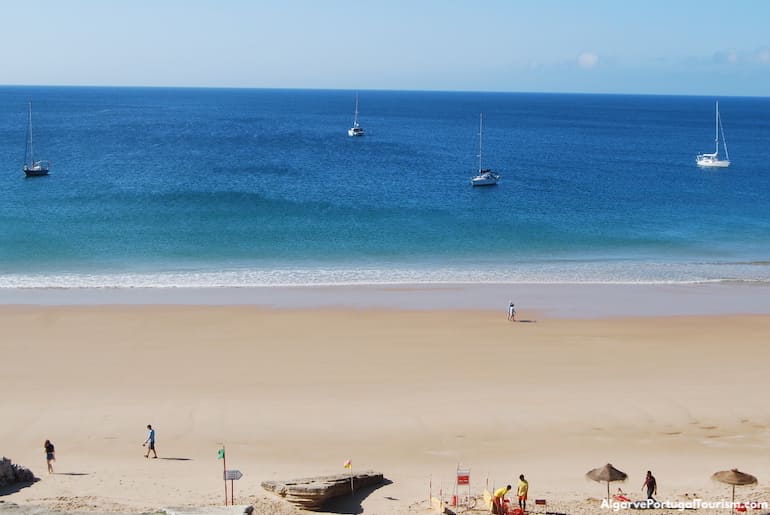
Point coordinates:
pixel 487 178
pixel 712 163
pixel 35 171
pixel 483 182
pixel 353 133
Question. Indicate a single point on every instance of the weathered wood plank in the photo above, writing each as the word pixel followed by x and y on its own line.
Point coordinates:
pixel 311 493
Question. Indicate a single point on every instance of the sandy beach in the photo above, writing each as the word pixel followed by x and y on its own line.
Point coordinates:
pixel 412 393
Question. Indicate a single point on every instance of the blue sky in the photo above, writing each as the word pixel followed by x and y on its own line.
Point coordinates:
pixel 622 46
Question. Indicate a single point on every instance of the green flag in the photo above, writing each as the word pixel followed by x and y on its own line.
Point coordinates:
pixel 221 454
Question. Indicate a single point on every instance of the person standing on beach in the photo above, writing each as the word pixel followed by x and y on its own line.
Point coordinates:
pixel 150 442
pixel 521 492
pixel 511 312
pixel 651 485
pixel 50 455
pixel 498 500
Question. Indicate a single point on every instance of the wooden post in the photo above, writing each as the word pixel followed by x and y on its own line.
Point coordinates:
pixel 224 470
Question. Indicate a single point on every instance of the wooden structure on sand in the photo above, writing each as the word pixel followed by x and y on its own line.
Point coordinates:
pixel 312 493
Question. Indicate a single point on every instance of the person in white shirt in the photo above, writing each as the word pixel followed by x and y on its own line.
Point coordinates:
pixel 511 313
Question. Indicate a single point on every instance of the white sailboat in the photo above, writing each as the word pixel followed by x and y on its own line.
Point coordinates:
pixel 484 177
pixel 713 160
pixel 356 129
pixel 33 168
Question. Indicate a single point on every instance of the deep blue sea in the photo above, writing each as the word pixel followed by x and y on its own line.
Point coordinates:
pixel 228 187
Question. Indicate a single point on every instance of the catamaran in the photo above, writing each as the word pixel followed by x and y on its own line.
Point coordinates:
pixel 356 129
pixel 713 160
pixel 484 177
pixel 33 168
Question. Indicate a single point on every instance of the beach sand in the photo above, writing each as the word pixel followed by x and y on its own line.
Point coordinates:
pixel 410 393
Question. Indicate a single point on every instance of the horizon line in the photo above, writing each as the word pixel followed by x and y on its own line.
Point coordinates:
pixel 266 88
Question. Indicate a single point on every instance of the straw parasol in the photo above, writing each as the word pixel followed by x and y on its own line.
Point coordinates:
pixel 734 477
pixel 606 473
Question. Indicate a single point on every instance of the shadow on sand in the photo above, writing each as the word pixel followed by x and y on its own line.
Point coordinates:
pixel 71 474
pixel 16 487
pixel 351 504
pixel 176 459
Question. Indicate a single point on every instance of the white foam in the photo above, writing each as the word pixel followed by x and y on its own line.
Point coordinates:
pixel 568 272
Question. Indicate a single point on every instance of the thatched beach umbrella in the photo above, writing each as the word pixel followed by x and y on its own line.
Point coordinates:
pixel 606 473
pixel 734 477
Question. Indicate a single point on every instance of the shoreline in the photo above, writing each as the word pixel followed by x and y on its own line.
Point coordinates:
pixel 550 300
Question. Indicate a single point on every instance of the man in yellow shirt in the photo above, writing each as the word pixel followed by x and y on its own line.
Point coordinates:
pixel 521 492
pixel 498 500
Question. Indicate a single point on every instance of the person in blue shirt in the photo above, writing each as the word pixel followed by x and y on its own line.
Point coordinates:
pixel 150 442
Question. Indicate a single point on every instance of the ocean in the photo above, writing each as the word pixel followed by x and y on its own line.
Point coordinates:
pixel 164 187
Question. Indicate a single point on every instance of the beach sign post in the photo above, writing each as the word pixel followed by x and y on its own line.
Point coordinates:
pixel 232 475
pixel 463 479
pixel 221 456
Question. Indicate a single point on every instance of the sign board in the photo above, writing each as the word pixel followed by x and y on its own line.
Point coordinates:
pixel 231 475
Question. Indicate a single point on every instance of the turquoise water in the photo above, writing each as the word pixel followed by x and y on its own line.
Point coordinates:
pixel 202 187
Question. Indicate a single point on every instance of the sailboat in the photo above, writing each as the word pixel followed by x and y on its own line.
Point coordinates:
pixel 713 160
pixel 484 177
pixel 356 129
pixel 33 168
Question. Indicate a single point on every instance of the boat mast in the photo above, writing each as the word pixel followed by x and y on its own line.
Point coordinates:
pixel 724 140
pixel 716 130
pixel 481 117
pixel 29 138
pixel 355 116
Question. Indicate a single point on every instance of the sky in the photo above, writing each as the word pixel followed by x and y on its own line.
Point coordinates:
pixel 686 47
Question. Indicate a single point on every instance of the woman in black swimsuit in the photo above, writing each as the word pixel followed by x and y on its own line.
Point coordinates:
pixel 50 457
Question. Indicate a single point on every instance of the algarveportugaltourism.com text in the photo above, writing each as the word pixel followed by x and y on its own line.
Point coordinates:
pixel 692 504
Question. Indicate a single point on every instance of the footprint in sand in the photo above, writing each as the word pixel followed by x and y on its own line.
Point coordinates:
pixel 672 433
pixel 708 428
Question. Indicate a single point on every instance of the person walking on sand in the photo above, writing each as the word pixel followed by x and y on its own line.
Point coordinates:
pixel 651 485
pixel 521 492
pixel 498 500
pixel 150 442
pixel 50 455
pixel 511 313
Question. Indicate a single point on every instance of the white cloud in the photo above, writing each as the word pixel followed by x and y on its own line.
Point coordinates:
pixel 763 55
pixel 587 60
pixel 759 56
pixel 729 56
